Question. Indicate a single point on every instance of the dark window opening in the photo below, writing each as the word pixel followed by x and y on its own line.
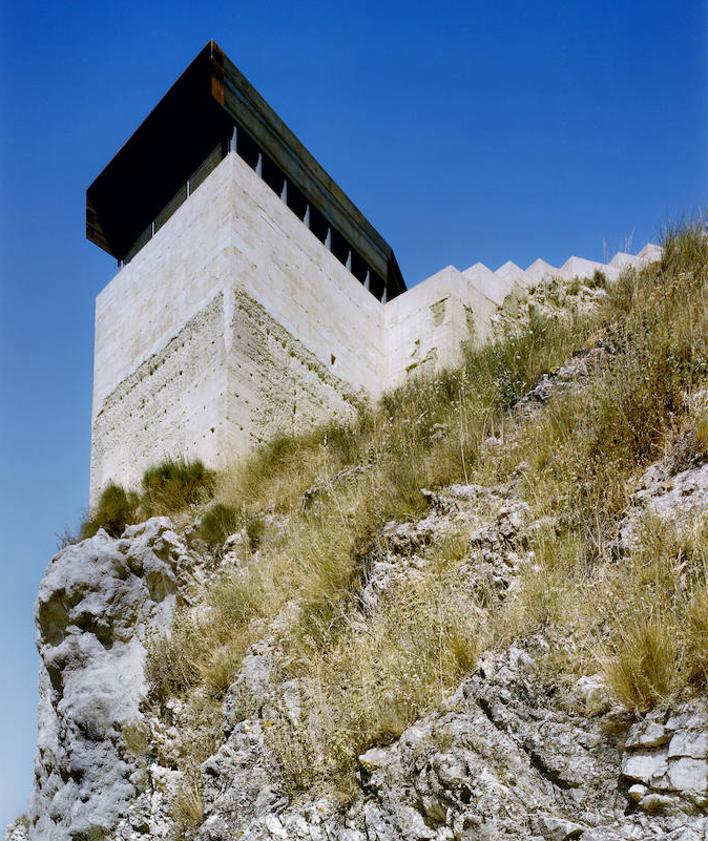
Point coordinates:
pixel 273 175
pixel 359 267
pixel 296 201
pixel 339 247
pixel 376 285
pixel 318 224
pixel 247 148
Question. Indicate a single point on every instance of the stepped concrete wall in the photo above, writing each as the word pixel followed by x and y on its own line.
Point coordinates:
pixel 235 322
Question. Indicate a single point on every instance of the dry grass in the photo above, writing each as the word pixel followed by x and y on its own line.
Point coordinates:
pixel 697 633
pixel 641 620
pixel 642 669
pixel 188 808
pixel 365 682
pixel 655 643
pixel 136 739
pixel 583 450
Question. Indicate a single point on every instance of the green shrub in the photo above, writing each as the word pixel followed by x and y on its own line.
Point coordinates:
pixel 175 485
pixel 222 520
pixel 116 509
pixel 218 523
pixel 255 527
pixel 598 280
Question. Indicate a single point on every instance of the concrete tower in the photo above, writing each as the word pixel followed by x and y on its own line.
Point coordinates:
pixel 252 296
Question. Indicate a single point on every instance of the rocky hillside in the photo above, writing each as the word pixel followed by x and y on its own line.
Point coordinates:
pixel 479 612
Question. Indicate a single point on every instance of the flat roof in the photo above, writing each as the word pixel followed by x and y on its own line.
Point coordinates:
pixel 196 113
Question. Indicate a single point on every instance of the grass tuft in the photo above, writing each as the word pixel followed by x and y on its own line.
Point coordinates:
pixel 642 668
pixel 167 489
pixel 175 485
pixel 188 808
pixel 218 523
pixel 116 509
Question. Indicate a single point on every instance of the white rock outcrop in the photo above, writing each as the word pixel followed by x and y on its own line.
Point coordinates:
pixel 96 602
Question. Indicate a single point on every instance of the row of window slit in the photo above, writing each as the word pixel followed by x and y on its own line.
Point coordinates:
pixel 247 149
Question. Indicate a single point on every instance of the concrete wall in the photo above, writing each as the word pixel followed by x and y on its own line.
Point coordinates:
pixel 425 327
pixel 235 322
pixel 162 287
pixel 173 403
pixel 232 323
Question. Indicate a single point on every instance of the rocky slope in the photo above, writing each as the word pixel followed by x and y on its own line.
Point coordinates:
pixel 506 756
pixel 512 753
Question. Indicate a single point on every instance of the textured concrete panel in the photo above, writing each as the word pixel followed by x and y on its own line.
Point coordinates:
pixel 276 385
pixel 425 326
pixel 173 404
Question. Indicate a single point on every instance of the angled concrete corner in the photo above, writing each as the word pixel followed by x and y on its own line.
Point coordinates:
pixel 233 323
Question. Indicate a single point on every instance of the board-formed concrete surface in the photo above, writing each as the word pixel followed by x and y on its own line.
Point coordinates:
pixel 235 322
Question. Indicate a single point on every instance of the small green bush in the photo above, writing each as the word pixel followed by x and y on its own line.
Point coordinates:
pixel 254 529
pixel 167 488
pixel 175 485
pixel 116 509
pixel 222 520
pixel 218 523
pixel 598 280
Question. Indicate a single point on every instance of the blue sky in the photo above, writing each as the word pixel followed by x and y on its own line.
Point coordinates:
pixel 465 131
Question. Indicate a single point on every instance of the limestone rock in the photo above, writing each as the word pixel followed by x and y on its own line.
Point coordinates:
pixel 591 695
pixel 501 760
pixel 570 377
pixel 557 829
pixel 666 758
pixel 666 494
pixel 17 830
pixel 96 602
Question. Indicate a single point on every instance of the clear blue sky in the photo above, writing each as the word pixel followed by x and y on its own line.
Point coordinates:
pixel 465 131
